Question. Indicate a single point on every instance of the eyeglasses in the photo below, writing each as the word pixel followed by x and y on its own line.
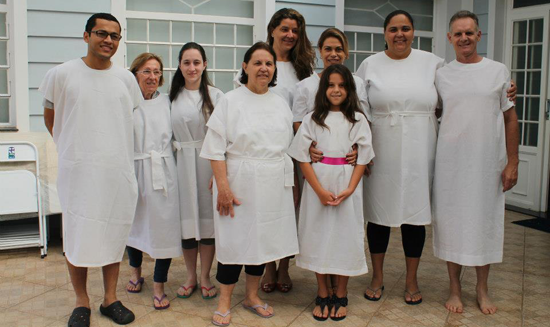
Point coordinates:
pixel 103 35
pixel 157 73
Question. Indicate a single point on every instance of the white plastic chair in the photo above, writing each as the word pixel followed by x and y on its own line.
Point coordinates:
pixel 19 194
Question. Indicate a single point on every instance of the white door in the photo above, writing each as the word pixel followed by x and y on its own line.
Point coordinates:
pixel 527 58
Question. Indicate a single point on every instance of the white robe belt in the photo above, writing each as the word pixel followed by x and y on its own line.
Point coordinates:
pixel 289 166
pixel 157 171
pixel 187 145
pixel 395 114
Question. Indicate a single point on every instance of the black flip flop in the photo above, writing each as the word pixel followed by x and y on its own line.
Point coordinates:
pixel 374 298
pixel 323 302
pixel 80 317
pixel 337 303
pixel 118 313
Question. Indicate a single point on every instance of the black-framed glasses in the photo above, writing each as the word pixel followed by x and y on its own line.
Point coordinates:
pixel 103 35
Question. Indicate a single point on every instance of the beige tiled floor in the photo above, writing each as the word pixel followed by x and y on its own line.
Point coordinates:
pixel 37 292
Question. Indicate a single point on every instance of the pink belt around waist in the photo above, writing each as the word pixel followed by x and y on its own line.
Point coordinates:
pixel 334 161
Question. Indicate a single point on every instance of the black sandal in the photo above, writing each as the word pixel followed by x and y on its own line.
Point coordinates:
pixel 118 313
pixel 80 317
pixel 339 302
pixel 323 302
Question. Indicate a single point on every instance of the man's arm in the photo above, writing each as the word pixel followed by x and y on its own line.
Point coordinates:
pixel 49 115
pixel 511 128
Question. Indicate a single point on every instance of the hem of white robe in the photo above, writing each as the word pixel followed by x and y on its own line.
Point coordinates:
pixel 255 263
pixel 167 253
pixel 421 223
pixel 91 265
pixel 332 271
pixel 468 260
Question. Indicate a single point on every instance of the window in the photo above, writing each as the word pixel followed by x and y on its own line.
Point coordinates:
pixel 364 26
pixel 224 32
pixel 7 114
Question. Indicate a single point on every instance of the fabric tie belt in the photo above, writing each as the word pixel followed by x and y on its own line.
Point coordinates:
pixel 187 145
pixel 157 171
pixel 334 161
pixel 396 114
pixel 289 166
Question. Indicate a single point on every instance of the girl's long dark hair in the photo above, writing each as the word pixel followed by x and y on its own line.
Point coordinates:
pixel 322 105
pixel 178 81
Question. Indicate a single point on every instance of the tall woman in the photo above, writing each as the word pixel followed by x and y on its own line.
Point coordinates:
pixel 156 227
pixel 248 136
pixel 193 100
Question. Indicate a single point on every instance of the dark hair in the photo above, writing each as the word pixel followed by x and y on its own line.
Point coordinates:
pixel 90 24
pixel 259 46
pixel 396 13
pixel 302 55
pixel 142 59
pixel 337 34
pixel 464 14
pixel 178 81
pixel 322 105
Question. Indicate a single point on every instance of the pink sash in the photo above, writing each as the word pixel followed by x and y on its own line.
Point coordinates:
pixel 333 161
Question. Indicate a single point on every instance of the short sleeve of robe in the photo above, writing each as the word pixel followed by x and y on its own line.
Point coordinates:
pixel 505 103
pixel 361 135
pixel 299 148
pixel 215 142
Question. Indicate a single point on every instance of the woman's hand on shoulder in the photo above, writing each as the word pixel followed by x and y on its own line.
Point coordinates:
pixel 315 154
pixel 226 201
pixel 351 157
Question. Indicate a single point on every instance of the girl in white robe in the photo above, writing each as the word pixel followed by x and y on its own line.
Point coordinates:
pixel 193 100
pixel 156 226
pixel 331 227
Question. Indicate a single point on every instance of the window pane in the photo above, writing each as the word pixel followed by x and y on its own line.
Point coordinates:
pixel 3 30
pixel 175 53
pixel 204 33
pixel 224 81
pixel 520 32
pixel 535 30
pixel 379 42
pixel 209 51
pixel 134 50
pixel 530 134
pixel 4 53
pixel 3 81
pixel 225 34
pixel 351 40
pixel 4 110
pixel 2 2
pixel 240 56
pixel 170 6
pixel 533 109
pixel 521 134
pixel 224 58
pixel 360 57
pixel 167 79
pixel 534 57
pixel 519 77
pixel 364 41
pixel 350 62
pixel 426 44
pixel 244 35
pixel 533 83
pixel 519 107
pixel 137 30
pixel 423 23
pixel 362 18
pixel 181 32
pixel 159 31
pixel 163 51
pixel 234 8
pixel 518 57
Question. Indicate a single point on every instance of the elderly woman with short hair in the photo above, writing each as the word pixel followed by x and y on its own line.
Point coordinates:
pixel 156 229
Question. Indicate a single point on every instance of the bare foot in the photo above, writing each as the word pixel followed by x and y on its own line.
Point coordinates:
pixel 485 304
pixel 188 288
pixel 454 303
pixel 207 289
pixel 374 291
pixel 135 284
pixel 249 302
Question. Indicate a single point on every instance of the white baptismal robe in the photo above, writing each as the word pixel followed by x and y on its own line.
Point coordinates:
pixel 468 201
pixel 252 132
pixel 332 239
pixel 286 81
pixel 306 90
pixel 403 99
pixel 156 229
pixel 93 131
pixel 194 172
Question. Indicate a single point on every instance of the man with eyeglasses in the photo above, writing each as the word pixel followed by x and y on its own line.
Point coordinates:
pixel 88 106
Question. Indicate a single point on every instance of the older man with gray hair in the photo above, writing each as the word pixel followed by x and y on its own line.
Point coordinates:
pixel 476 161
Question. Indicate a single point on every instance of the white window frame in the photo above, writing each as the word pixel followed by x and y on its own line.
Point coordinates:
pixel 11 124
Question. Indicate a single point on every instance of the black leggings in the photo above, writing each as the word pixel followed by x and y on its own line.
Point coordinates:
pixel 135 257
pixel 412 236
pixel 191 243
pixel 229 274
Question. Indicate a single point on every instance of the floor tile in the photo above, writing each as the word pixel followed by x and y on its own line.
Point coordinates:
pixel 15 291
